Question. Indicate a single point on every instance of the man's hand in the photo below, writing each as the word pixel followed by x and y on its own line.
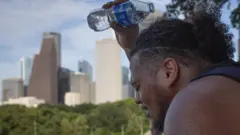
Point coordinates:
pixel 126 36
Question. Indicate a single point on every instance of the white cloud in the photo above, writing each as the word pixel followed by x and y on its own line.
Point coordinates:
pixel 24 18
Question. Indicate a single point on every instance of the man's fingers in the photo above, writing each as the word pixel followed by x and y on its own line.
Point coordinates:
pixel 108 5
pixel 133 26
pixel 119 29
pixel 116 27
pixel 116 2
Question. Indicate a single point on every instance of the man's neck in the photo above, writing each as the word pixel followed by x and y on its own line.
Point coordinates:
pixel 191 72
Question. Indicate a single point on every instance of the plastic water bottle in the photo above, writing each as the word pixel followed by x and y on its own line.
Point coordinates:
pixel 127 13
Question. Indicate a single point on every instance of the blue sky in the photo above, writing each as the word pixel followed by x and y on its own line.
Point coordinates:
pixel 23 22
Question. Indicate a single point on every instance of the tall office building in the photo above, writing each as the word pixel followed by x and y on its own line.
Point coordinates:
pixel 79 82
pixel 108 71
pixel 125 74
pixel 44 79
pixel 128 91
pixel 93 92
pixel 125 82
pixel 26 69
pixel 12 88
pixel 57 44
pixel 63 84
pixel 85 67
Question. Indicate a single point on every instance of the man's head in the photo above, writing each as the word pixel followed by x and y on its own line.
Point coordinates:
pixel 170 53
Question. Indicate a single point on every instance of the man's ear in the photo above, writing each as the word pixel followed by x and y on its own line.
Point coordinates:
pixel 169 72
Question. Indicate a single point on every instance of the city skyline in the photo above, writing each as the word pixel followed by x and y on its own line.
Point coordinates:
pixel 24 37
pixel 47 82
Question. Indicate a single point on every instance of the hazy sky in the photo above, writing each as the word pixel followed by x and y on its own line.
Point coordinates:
pixel 23 22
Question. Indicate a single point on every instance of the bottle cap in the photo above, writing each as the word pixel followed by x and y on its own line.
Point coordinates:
pixel 151 7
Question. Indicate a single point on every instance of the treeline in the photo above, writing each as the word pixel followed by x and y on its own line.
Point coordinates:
pixel 123 117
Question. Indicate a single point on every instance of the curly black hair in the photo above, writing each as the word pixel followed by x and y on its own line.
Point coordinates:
pixel 202 36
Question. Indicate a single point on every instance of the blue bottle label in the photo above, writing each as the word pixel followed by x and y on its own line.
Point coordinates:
pixel 121 13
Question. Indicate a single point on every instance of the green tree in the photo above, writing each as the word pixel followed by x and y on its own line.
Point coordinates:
pixel 104 119
pixel 185 7
pixel 76 125
pixel 102 131
pixel 137 120
pixel 60 107
pixel 15 119
pixel 108 116
pixel 66 127
pixel 48 121
pixel 84 108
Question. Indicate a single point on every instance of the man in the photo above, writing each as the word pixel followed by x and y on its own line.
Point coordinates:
pixel 181 71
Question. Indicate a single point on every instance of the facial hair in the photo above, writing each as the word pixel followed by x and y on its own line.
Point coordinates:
pixel 157 127
pixel 158 124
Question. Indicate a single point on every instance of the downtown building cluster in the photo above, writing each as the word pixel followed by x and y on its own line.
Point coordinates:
pixel 44 81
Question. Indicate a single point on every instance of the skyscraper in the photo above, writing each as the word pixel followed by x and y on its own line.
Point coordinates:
pixel 12 88
pixel 85 67
pixel 63 84
pixel 44 79
pixel 57 44
pixel 79 82
pixel 108 71
pixel 93 92
pixel 26 70
pixel 128 91
pixel 125 74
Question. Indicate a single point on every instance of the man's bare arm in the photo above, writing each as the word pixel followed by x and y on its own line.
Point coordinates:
pixel 126 49
pixel 194 112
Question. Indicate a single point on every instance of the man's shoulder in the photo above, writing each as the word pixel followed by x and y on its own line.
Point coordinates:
pixel 211 86
pixel 203 106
